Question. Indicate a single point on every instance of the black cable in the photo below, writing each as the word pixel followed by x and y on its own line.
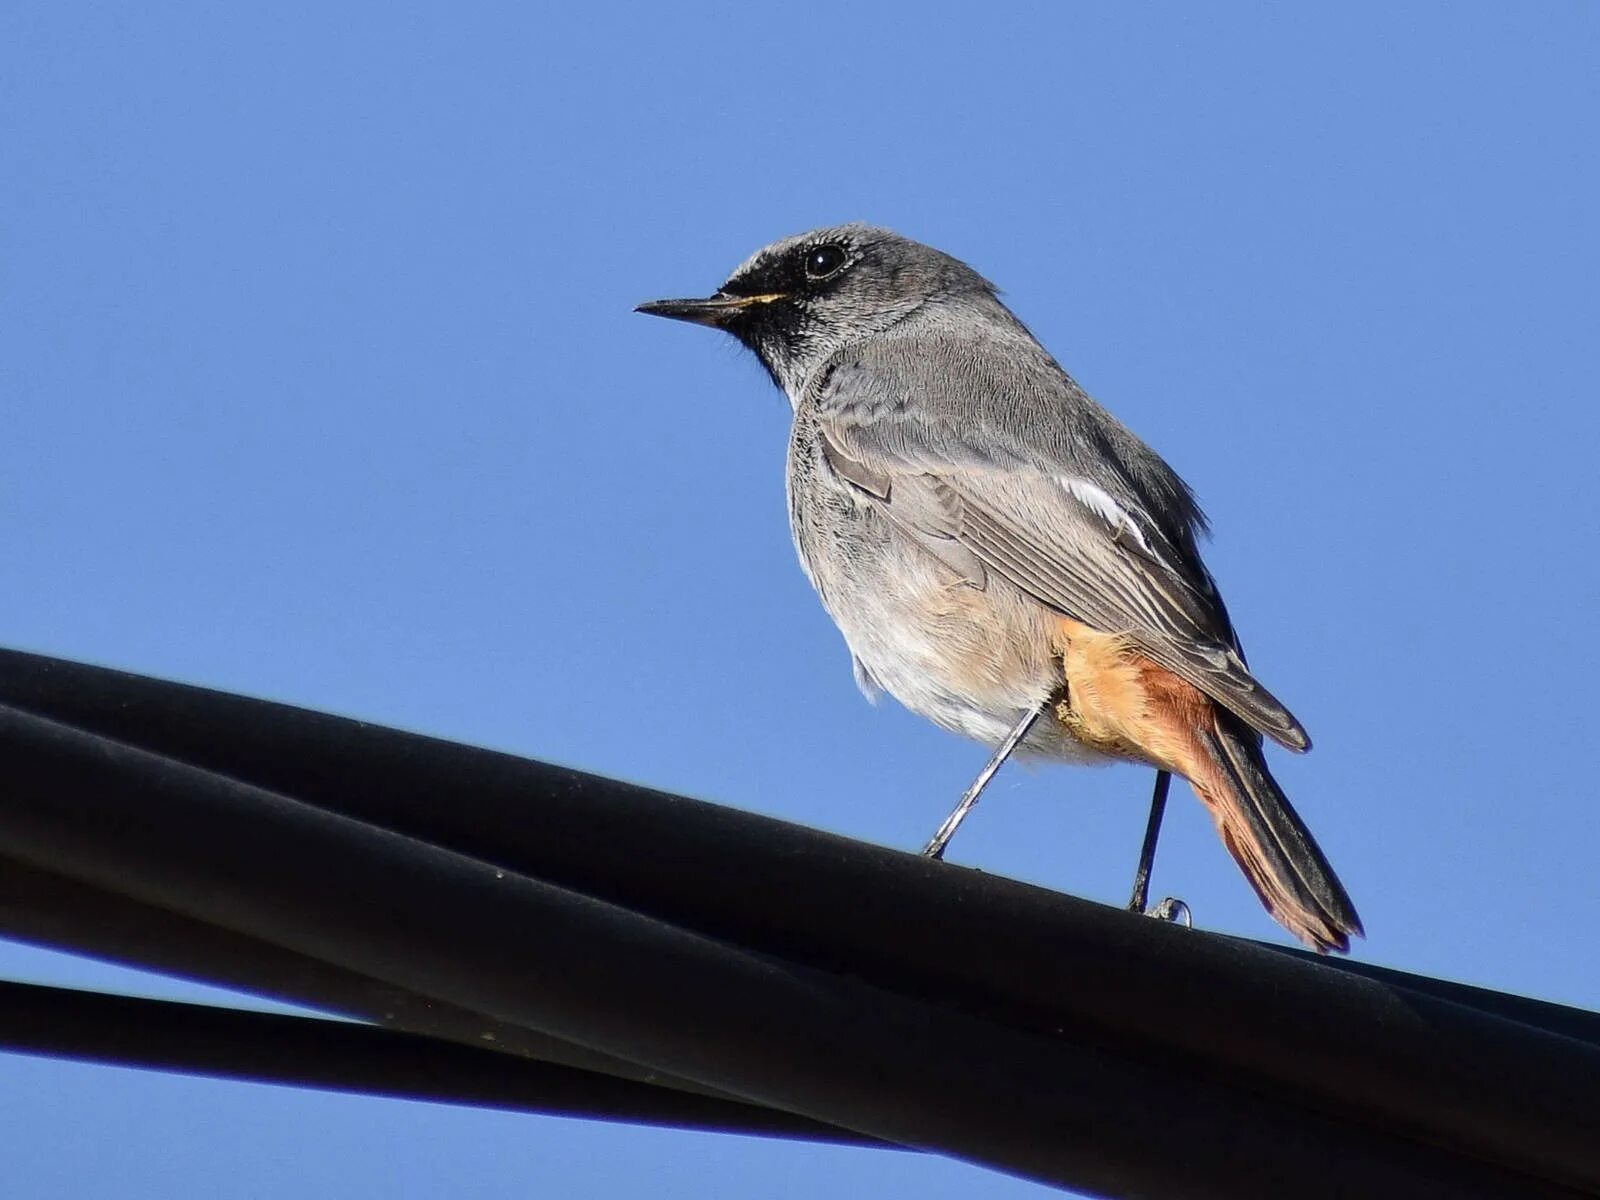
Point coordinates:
pixel 53 911
pixel 225 1043
pixel 1277 1065
pixel 989 944
pixel 1058 1109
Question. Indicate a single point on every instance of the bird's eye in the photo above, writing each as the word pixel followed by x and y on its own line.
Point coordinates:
pixel 822 261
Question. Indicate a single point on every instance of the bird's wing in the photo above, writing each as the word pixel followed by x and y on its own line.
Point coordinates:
pixel 1006 496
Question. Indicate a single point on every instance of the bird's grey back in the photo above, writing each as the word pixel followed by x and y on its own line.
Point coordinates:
pixel 976 442
pixel 979 382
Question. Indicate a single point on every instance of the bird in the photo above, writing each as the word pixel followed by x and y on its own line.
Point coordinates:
pixel 1002 555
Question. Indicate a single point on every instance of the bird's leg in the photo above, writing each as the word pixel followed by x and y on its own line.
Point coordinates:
pixel 1147 852
pixel 941 838
pixel 1169 909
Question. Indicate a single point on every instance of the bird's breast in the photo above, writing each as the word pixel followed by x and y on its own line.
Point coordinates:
pixel 971 659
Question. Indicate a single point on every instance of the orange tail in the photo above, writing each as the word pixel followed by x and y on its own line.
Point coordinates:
pixel 1268 840
pixel 1121 702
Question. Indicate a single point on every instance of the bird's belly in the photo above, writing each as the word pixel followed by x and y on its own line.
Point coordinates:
pixel 971 660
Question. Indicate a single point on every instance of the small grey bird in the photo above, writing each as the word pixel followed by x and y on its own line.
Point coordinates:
pixel 1001 554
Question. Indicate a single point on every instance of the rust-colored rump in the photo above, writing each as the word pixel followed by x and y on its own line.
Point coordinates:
pixel 1121 703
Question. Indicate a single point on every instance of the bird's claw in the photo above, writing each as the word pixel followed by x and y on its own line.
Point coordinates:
pixel 1174 910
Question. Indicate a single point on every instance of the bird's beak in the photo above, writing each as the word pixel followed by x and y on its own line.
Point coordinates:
pixel 713 310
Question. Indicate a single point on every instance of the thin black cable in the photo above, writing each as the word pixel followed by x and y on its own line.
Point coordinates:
pixel 226 1043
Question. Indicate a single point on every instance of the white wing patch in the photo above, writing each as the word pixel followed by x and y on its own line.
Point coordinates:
pixel 1100 502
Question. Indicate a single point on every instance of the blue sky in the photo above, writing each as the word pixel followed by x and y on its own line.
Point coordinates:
pixel 321 383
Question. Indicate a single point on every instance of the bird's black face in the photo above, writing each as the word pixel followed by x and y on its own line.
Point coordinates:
pixel 774 302
pixel 802 299
pixel 802 272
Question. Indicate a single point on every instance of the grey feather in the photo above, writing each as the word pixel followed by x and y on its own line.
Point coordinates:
pixel 1020 468
pixel 868 686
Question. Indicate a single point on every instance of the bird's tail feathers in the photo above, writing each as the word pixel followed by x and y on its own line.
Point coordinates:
pixel 1268 840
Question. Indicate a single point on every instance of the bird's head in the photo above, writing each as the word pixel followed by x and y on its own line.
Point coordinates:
pixel 800 300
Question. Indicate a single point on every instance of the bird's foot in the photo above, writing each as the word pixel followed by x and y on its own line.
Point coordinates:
pixel 1174 910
